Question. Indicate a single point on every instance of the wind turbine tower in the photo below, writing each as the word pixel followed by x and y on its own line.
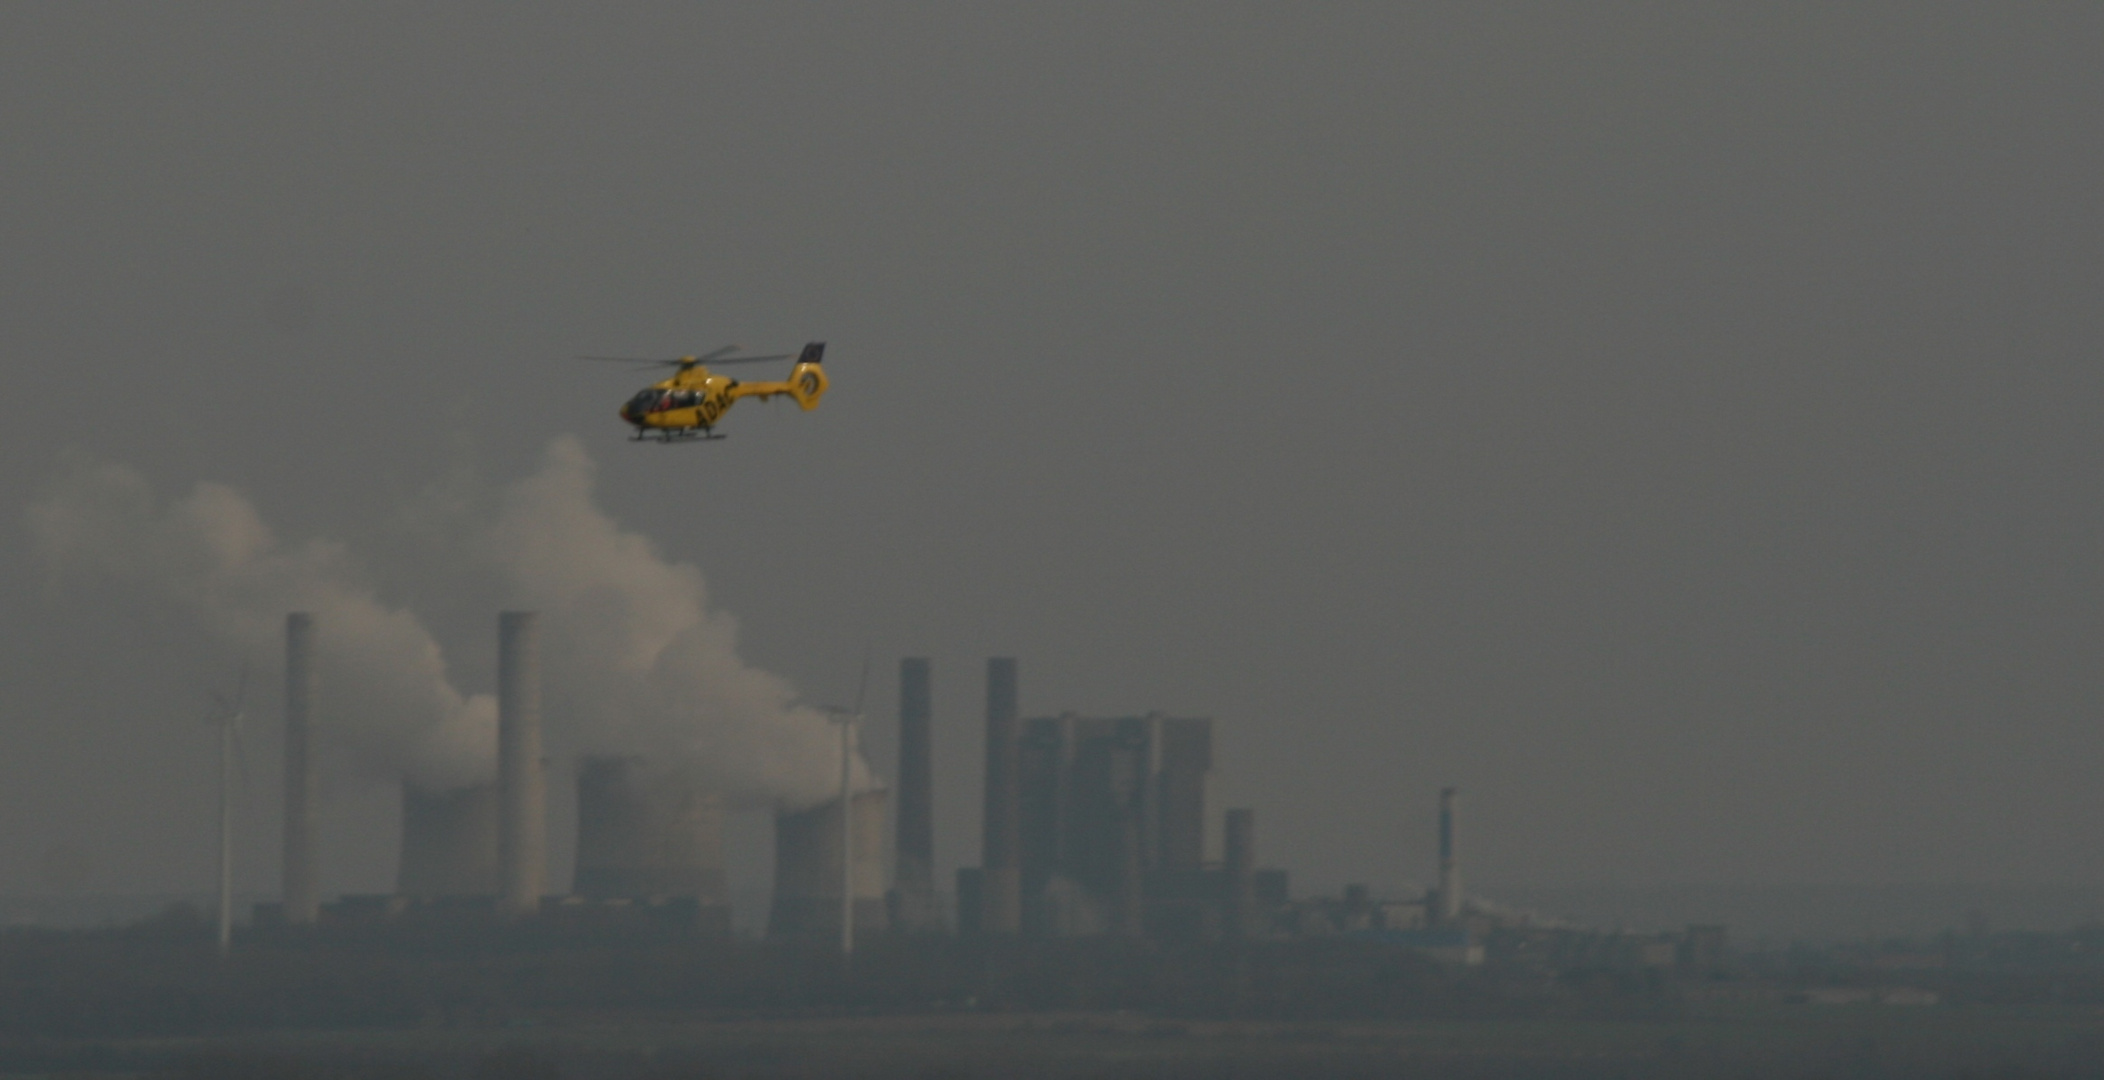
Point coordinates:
pixel 228 715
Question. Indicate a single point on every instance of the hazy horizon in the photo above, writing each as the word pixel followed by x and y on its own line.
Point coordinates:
pixel 1674 426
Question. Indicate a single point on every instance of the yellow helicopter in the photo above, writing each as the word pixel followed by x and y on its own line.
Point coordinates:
pixel 686 407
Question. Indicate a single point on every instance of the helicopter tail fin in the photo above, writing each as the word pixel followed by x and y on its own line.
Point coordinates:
pixel 807 383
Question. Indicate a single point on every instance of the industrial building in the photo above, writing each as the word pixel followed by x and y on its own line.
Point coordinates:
pixel 1096 825
pixel 1109 806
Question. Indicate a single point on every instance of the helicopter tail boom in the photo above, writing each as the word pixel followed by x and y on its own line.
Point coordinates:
pixel 805 385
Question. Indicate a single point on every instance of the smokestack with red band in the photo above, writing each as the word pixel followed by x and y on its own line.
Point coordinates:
pixel 302 882
pixel 522 828
pixel 1002 882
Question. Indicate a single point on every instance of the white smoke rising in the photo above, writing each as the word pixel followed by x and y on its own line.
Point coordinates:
pixel 634 660
pixel 386 697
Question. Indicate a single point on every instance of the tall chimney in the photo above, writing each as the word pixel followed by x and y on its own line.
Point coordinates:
pixel 522 828
pixel 1002 882
pixel 302 883
pixel 915 876
pixel 1449 866
pixel 1241 859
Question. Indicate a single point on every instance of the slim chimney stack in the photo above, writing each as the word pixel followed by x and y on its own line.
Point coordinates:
pixel 522 829
pixel 915 877
pixel 1002 882
pixel 1449 865
pixel 302 883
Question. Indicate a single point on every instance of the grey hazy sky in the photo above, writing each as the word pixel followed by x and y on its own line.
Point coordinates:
pixel 1673 424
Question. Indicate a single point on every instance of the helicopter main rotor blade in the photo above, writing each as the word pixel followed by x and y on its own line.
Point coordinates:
pixel 673 361
pixel 713 357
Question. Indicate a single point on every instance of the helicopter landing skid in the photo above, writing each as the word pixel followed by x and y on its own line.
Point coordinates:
pixel 684 436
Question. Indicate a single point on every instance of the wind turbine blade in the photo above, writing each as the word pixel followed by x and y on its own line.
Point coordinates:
pixel 862 691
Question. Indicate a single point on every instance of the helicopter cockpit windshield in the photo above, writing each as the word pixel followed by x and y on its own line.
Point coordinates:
pixel 655 401
pixel 645 402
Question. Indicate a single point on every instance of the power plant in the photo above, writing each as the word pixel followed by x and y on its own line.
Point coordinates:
pixel 1093 826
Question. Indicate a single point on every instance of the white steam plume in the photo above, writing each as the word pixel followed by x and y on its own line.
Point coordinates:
pixel 386 697
pixel 634 660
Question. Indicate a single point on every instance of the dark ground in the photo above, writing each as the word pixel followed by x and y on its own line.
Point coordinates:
pixel 1782 1042
pixel 466 1001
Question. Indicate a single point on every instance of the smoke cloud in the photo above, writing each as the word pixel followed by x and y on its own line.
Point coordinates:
pixel 634 661
pixel 210 559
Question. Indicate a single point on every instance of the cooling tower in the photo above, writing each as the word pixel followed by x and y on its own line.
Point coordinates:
pixel 449 843
pixel 522 836
pixel 645 834
pixel 807 886
pixel 302 883
pixel 914 877
pixel 1001 882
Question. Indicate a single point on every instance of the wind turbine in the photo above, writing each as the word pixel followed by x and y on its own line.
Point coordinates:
pixel 227 714
pixel 847 718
